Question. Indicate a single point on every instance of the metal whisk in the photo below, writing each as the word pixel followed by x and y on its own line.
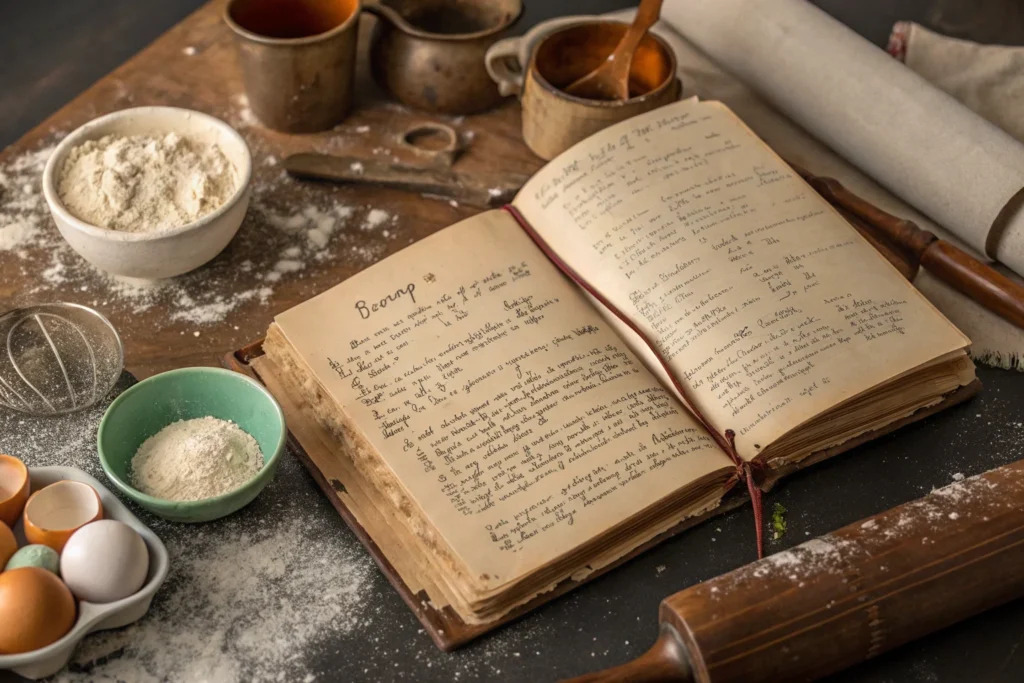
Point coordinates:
pixel 57 358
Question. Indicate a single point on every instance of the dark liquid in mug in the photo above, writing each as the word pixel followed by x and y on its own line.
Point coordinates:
pixel 291 18
pixel 448 20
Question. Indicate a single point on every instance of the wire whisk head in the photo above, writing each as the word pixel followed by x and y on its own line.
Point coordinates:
pixel 57 358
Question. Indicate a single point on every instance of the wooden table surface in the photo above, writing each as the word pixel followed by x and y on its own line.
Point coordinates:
pixel 55 51
pixel 195 319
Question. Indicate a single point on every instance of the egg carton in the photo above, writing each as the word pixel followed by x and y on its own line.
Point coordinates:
pixel 49 660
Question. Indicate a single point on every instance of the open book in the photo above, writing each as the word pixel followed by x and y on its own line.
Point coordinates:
pixel 535 392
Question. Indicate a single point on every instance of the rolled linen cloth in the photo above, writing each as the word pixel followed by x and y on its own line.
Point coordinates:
pixel 916 140
pixel 987 79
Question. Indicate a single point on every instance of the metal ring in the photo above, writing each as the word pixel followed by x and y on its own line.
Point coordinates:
pixel 447 131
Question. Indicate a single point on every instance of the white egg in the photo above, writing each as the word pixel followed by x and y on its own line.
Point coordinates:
pixel 104 561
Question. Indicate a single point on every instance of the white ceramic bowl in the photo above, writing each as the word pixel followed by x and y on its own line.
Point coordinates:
pixel 49 660
pixel 154 255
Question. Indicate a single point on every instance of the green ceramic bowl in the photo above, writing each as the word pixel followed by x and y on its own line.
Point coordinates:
pixel 152 404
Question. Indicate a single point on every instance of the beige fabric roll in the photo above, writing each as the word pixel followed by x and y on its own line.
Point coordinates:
pixel 988 79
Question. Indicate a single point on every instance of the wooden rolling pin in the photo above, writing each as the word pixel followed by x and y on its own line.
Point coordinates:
pixel 958 269
pixel 848 596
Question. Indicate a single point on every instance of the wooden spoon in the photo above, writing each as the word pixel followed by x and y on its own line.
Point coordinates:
pixel 610 81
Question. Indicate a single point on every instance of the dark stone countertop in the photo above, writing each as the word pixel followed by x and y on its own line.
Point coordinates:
pixel 354 626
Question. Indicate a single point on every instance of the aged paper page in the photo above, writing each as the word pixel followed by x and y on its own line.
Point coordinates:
pixel 515 418
pixel 762 299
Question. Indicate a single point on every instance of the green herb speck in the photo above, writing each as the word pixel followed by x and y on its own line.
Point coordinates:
pixel 778 521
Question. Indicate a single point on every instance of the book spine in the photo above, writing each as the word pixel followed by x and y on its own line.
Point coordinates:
pixel 725 440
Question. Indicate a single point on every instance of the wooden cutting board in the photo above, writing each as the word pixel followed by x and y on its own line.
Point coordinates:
pixel 194 66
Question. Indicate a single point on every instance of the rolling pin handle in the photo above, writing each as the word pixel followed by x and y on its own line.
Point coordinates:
pixel 665 662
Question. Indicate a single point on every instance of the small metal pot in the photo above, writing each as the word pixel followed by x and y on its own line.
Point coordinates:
pixel 430 53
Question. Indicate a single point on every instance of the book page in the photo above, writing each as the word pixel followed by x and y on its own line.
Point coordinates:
pixel 515 418
pixel 764 302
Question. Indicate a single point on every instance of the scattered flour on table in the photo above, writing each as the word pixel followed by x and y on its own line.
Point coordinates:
pixel 261 595
pixel 245 115
pixel 375 218
pixel 196 459
pixel 145 183
pixel 187 310
pixel 316 225
pixel 243 602
pixel 288 266
pixel 23 211
pixel 288 220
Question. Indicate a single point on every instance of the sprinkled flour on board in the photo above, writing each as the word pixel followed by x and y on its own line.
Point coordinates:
pixel 313 228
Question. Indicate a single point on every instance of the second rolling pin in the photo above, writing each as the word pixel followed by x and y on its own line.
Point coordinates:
pixel 848 596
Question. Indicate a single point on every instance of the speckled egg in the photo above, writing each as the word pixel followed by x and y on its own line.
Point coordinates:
pixel 41 556
pixel 104 561
pixel 36 609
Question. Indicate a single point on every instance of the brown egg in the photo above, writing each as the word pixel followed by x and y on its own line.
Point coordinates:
pixel 14 485
pixel 36 609
pixel 8 546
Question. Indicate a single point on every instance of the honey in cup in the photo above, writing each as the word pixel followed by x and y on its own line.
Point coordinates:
pixel 289 19
pixel 572 53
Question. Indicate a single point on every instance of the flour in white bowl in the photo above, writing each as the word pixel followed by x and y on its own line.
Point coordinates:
pixel 145 183
pixel 196 459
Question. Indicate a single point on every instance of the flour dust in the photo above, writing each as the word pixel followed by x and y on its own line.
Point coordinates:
pixel 281 241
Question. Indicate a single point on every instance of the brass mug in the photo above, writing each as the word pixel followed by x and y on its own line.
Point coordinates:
pixel 298 59
pixel 555 53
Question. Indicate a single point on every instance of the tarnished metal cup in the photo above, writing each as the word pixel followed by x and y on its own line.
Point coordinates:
pixel 298 59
